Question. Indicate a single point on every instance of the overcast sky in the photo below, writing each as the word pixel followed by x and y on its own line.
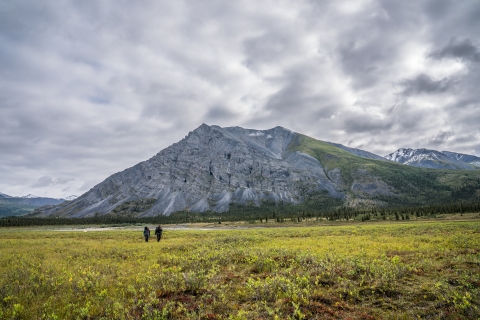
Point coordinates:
pixel 89 88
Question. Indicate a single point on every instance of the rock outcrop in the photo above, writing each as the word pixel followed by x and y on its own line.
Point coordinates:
pixel 214 167
pixel 209 169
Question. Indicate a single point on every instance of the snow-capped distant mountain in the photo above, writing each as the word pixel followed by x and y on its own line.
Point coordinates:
pixel 30 196
pixel 15 206
pixel 425 158
pixel 41 201
pixel 473 160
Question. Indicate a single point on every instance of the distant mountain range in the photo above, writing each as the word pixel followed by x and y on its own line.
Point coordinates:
pixel 213 168
pixel 425 158
pixel 15 206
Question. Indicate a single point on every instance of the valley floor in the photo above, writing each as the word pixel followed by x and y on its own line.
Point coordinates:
pixel 405 270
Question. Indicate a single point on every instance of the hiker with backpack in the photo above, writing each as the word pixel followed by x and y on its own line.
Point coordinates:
pixel 146 233
pixel 158 232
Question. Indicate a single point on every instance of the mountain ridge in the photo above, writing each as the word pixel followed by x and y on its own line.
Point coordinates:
pixel 228 149
pixel 427 158
pixel 214 167
pixel 15 206
pixel 3 195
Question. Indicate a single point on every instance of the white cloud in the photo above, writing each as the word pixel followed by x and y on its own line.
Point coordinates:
pixel 90 88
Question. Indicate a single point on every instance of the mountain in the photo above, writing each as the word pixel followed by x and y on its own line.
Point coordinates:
pixel 15 206
pixel 207 170
pixel 213 168
pixel 40 201
pixel 473 160
pixel 425 158
pixel 30 196
pixel 359 152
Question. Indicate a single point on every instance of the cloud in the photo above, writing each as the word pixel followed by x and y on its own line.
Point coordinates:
pixel 88 89
pixel 218 113
pixel 297 94
pixel 269 49
pixel 463 50
pixel 440 138
pixel 364 122
pixel 63 180
pixel 44 181
pixel 425 84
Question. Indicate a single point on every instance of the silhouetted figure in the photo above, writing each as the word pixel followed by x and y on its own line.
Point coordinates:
pixel 158 233
pixel 146 233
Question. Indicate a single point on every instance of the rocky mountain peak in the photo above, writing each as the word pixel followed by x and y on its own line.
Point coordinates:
pixel 467 158
pixel 214 167
pixel 30 196
pixel 209 169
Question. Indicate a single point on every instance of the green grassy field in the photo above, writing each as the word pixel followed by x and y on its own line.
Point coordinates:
pixel 428 270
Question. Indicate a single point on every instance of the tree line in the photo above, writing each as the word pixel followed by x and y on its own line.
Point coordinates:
pixel 267 212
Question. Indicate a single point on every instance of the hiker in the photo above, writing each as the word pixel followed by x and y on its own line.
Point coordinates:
pixel 146 233
pixel 158 232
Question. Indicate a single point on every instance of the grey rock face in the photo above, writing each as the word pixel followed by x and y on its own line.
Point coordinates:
pixel 367 185
pixel 209 169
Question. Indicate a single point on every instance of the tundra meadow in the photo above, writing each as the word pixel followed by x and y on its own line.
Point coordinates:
pixel 407 270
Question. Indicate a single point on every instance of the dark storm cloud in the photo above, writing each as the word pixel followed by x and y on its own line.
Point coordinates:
pixel 49 181
pixel 44 181
pixel 425 84
pixel 217 113
pixel 440 138
pixel 466 112
pixel 297 94
pixel 406 117
pixel 465 139
pixel 361 122
pixel 464 50
pixel 90 88
pixel 362 61
pixel 270 48
pixel 372 42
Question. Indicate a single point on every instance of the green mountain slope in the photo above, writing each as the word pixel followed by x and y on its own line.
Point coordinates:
pixel 14 207
pixel 389 182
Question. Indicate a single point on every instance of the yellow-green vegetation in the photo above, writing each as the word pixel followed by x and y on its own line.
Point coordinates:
pixel 358 271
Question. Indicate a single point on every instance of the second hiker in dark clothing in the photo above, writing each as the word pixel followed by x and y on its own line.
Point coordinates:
pixel 158 233
pixel 146 233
